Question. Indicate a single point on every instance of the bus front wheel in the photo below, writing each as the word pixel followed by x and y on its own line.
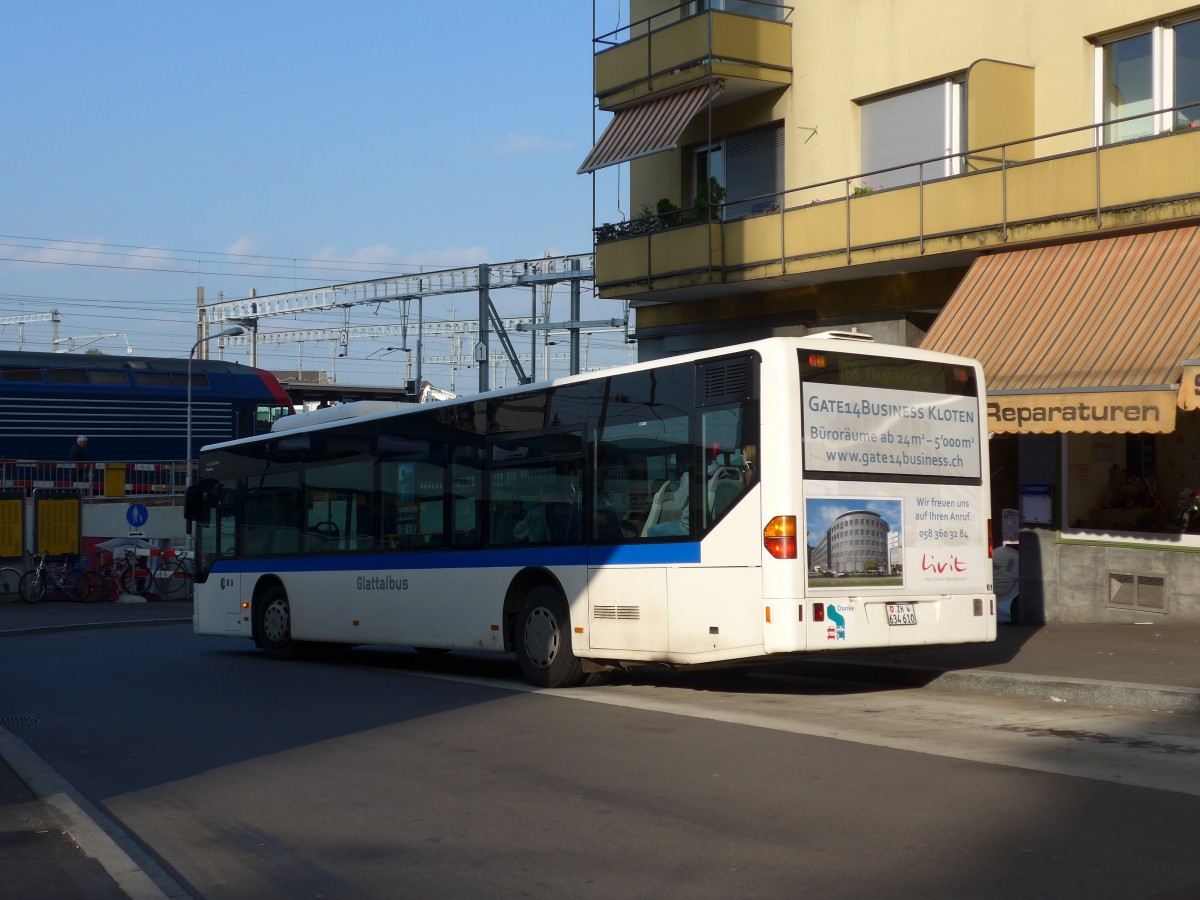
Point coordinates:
pixel 274 626
pixel 543 641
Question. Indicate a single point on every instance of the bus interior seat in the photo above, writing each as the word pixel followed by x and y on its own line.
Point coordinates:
pixel 724 487
pixel 282 539
pixel 669 511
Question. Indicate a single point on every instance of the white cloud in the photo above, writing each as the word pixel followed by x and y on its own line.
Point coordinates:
pixel 243 246
pixel 449 257
pixel 92 253
pixel 406 260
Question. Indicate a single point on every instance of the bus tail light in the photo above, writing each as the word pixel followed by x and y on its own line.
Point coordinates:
pixel 990 539
pixel 779 537
pixel 818 612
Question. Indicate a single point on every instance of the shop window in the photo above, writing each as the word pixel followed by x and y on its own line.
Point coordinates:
pixel 1140 483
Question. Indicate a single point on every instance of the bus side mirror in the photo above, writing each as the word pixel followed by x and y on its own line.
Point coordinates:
pixel 198 501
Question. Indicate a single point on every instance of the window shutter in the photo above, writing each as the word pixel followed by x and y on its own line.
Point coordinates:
pixel 904 128
pixel 754 171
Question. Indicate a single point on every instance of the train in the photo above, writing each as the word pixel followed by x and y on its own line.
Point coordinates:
pixel 130 408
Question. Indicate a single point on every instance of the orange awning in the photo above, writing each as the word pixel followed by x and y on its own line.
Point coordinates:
pixel 1082 337
pixel 647 128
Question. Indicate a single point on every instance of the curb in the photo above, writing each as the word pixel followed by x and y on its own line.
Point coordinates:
pixel 76 626
pixel 1054 688
pixel 133 870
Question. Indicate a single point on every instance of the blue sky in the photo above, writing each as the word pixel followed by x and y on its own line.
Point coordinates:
pixel 151 148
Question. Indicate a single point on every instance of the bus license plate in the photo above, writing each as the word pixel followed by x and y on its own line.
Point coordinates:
pixel 902 614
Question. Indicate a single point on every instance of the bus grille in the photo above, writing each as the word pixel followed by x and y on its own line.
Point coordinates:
pixel 725 381
pixel 616 612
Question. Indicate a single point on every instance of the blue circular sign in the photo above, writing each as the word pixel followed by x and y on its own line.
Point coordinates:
pixel 136 515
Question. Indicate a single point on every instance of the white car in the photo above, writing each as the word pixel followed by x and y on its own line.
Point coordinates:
pixel 1006 582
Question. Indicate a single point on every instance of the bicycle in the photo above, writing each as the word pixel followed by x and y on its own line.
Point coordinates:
pixel 173 578
pixel 65 577
pixel 121 575
pixel 10 583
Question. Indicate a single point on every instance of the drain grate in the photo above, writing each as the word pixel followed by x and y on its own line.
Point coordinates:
pixel 20 720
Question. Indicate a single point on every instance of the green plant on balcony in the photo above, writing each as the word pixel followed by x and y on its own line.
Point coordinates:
pixel 669 215
pixel 863 188
pixel 709 198
pixel 666 214
pixel 646 221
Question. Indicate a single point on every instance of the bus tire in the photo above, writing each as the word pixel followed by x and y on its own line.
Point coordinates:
pixel 273 627
pixel 543 640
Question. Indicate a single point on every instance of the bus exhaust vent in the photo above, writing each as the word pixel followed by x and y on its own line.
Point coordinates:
pixel 616 612
pixel 725 381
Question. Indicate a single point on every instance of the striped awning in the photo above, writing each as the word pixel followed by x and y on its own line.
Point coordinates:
pixel 646 128
pixel 1100 336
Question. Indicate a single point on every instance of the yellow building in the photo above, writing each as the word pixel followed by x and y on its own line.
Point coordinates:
pixel 1021 184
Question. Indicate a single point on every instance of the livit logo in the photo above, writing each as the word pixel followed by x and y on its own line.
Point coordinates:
pixel 954 565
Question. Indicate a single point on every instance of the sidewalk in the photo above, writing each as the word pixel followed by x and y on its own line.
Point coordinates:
pixel 1153 666
pixel 53 842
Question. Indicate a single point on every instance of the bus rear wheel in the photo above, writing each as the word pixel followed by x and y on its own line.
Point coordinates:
pixel 543 641
pixel 274 626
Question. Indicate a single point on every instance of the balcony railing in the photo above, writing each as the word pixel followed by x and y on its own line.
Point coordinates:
pixel 1069 174
pixel 660 50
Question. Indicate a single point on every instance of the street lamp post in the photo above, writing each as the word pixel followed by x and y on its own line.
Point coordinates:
pixel 231 331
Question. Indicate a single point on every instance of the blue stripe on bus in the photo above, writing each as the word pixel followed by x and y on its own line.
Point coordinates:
pixel 617 555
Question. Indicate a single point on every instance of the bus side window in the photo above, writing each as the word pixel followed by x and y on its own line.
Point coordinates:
pixel 271 520
pixel 548 499
pixel 730 440
pixel 465 486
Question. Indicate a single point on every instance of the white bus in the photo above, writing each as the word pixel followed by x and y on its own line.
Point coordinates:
pixel 785 496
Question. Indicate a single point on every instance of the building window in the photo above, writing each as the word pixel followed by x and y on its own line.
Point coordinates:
pixel 757 9
pixel 1186 81
pixel 1152 76
pixel 1128 87
pixel 748 167
pixel 1143 592
pixel 902 130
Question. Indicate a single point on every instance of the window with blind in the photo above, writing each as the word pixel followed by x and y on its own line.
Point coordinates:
pixel 901 131
pixel 749 166
pixel 757 9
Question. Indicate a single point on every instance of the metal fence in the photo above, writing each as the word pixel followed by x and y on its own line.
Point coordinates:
pixel 96 479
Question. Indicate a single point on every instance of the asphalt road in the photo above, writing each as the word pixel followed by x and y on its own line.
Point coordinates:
pixel 387 774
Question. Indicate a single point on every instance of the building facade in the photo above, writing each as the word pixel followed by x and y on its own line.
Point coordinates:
pixel 1019 184
pixel 856 542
